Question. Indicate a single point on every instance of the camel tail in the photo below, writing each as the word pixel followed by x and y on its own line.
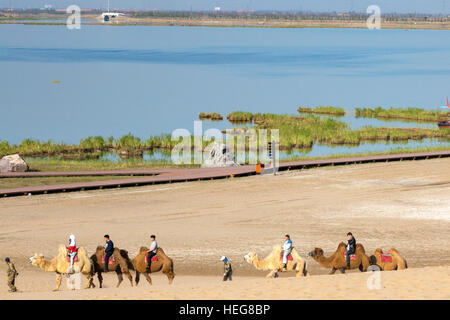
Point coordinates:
pixel 401 263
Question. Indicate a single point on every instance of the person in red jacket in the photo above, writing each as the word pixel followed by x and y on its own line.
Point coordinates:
pixel 72 251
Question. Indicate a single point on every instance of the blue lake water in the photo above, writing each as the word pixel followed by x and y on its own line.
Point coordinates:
pixel 151 80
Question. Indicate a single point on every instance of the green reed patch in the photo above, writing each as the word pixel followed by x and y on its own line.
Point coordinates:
pixel 416 114
pixel 240 116
pixel 327 110
pixel 210 116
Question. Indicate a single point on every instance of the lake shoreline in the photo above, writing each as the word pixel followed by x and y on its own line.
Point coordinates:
pixel 232 23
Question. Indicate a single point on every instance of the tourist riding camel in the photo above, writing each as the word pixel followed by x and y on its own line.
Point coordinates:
pixel 161 262
pixel 61 265
pixel 287 248
pixel 118 262
pixel 71 251
pixel 274 262
pixel 351 247
pixel 109 250
pixel 152 251
pixel 338 261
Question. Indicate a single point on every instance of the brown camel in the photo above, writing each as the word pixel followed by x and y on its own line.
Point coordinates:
pixel 397 262
pixel 164 264
pixel 337 260
pixel 121 264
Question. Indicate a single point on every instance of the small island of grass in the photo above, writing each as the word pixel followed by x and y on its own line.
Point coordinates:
pixel 326 110
pixel 240 116
pixel 210 116
pixel 413 114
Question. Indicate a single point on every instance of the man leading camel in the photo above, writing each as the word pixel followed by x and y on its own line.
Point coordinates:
pixel 108 251
pixel 287 248
pixel 152 251
pixel 11 273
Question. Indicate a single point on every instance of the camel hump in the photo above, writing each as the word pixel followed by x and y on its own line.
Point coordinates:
pixel 82 251
pixel 100 248
pixel 62 250
pixel 360 247
pixel 378 250
pixel 341 245
pixel 143 249
pixel 393 251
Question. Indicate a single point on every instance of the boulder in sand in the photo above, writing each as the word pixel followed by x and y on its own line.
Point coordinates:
pixel 13 163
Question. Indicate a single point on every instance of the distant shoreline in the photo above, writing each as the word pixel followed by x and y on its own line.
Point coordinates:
pixel 227 22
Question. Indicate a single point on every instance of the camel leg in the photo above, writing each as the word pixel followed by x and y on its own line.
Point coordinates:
pixel 333 270
pixel 272 274
pixel 58 281
pixel 91 283
pixel 130 277
pixel 90 280
pixel 100 279
pixel 342 270
pixel 147 277
pixel 170 275
pixel 119 277
pixel 137 278
pixel 361 267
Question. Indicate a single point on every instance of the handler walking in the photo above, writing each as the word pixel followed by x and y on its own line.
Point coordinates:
pixel 227 270
pixel 11 273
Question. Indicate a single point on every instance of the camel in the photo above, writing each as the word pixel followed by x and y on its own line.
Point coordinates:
pixel 164 264
pixel 337 260
pixel 121 265
pixel 61 266
pixel 398 263
pixel 273 262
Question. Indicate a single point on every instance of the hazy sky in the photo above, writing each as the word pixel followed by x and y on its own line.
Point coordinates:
pixel 422 6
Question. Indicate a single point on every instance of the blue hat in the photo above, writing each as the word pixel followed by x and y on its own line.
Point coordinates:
pixel 7 259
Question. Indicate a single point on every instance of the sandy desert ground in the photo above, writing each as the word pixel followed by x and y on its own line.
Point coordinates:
pixel 402 204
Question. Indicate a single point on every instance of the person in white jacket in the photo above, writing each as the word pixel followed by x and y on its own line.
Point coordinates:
pixel 287 248
pixel 72 251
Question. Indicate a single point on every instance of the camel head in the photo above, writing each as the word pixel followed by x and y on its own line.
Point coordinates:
pixel 37 259
pixel 378 251
pixel 143 249
pixel 250 257
pixel 316 253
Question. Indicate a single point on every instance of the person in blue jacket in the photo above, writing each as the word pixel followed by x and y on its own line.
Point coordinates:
pixel 108 251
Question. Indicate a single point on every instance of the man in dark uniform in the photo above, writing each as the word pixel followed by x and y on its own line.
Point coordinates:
pixel 109 250
pixel 11 273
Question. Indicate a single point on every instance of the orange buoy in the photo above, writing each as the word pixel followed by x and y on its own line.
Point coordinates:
pixel 258 168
